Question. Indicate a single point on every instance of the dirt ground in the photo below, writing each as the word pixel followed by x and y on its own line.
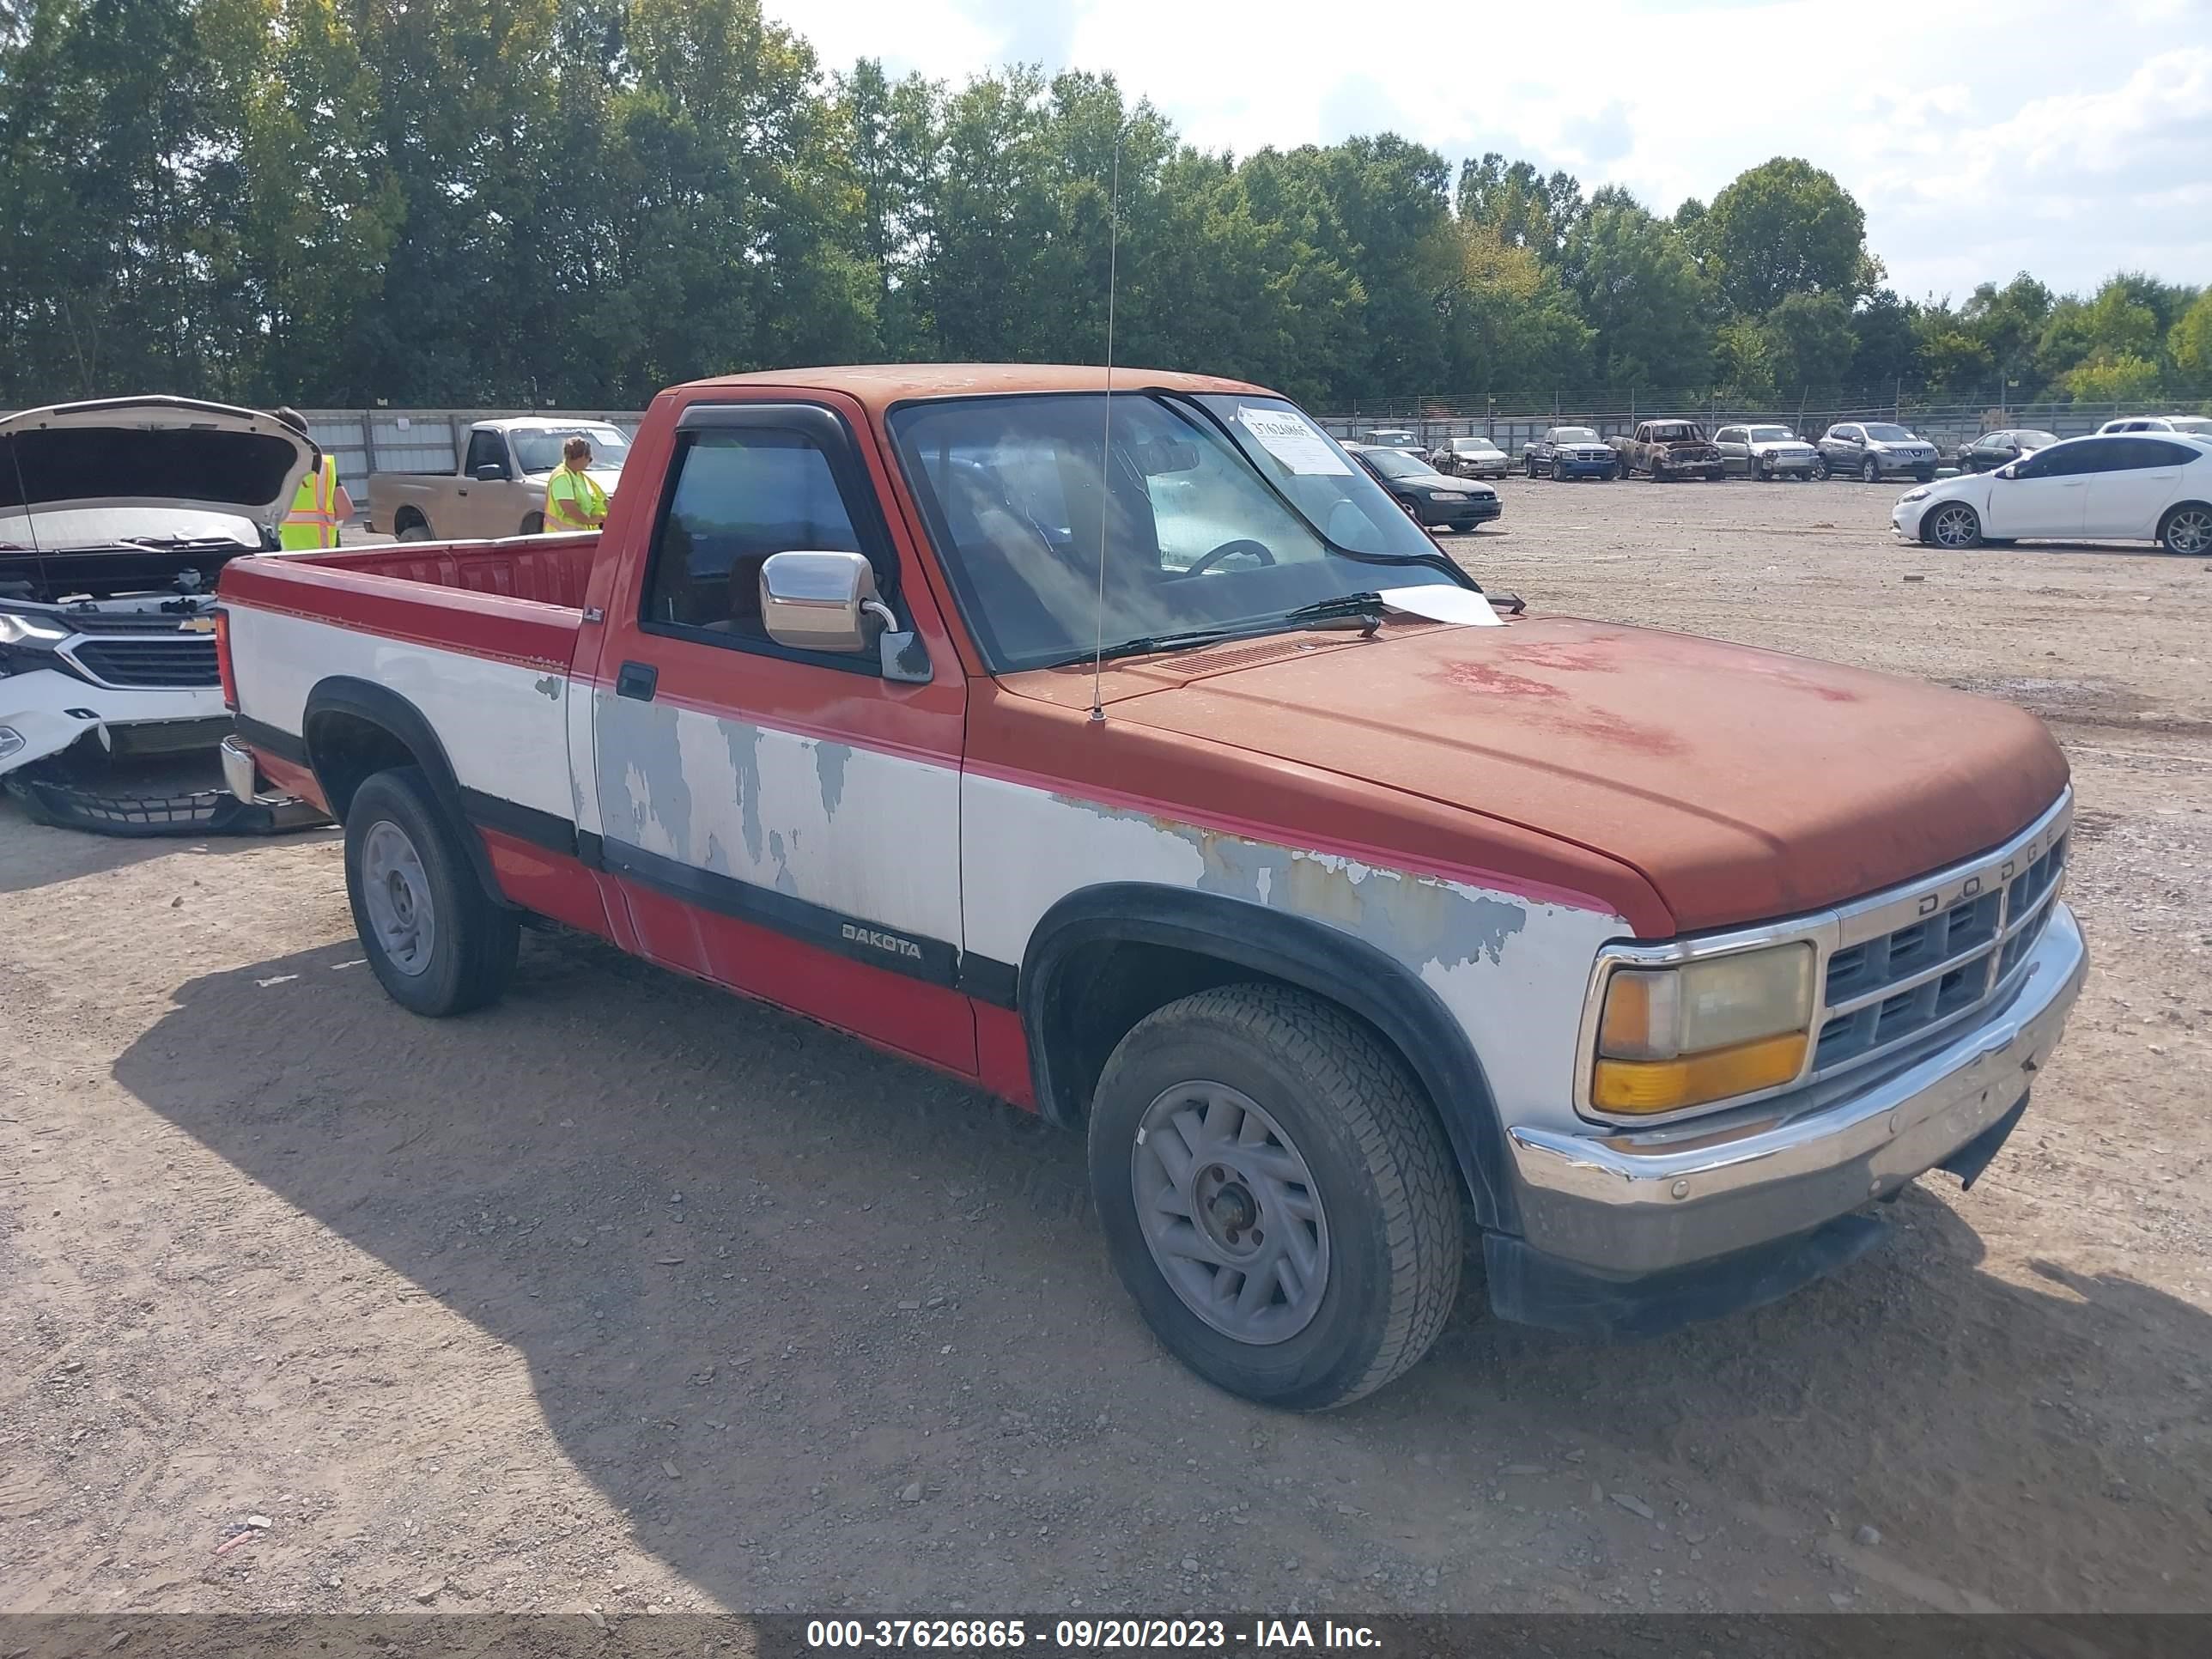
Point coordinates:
pixel 627 1295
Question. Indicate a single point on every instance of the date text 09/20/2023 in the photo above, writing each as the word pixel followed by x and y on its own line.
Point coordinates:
pixel 1202 1635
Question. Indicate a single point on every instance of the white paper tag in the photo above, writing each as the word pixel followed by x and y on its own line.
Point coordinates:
pixel 1445 604
pixel 1293 440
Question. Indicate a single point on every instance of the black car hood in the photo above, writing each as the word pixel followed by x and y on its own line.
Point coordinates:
pixel 151 451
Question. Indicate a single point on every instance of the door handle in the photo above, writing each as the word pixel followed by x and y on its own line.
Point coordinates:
pixel 638 680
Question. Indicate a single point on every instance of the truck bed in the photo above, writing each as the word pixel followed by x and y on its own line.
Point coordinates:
pixel 547 569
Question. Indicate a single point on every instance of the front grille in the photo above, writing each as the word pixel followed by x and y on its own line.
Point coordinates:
pixel 168 662
pixel 1884 991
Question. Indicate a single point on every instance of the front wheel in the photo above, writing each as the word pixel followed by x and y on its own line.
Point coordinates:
pixel 437 942
pixel 1559 472
pixel 1820 473
pixel 1276 1195
pixel 2187 530
pixel 1954 525
pixel 1870 469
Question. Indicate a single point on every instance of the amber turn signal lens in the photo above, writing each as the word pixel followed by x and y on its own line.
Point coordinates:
pixel 1668 1085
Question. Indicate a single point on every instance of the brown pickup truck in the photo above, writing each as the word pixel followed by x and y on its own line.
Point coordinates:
pixel 499 487
pixel 1669 449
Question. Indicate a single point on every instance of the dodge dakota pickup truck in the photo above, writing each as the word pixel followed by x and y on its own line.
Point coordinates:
pixel 499 487
pixel 1145 765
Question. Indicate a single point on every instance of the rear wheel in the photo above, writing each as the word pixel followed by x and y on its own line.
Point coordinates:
pixel 1276 1195
pixel 2187 530
pixel 533 524
pixel 437 942
pixel 411 526
pixel 1953 525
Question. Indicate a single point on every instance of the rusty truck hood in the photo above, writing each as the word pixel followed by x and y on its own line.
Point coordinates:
pixel 1742 784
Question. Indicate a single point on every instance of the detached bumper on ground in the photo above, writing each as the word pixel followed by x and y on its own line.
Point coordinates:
pixel 1639 1231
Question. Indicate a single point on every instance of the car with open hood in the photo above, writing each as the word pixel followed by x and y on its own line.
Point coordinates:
pixel 1136 759
pixel 117 518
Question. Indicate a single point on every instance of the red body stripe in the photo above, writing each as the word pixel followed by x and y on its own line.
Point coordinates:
pixel 527 633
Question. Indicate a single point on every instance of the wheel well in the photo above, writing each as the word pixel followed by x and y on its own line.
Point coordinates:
pixel 347 750
pixel 2166 517
pixel 1105 987
pixel 406 516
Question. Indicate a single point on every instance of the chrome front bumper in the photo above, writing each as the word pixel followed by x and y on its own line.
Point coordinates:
pixel 1627 1204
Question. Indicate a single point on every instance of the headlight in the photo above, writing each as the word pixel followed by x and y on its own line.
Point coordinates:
pixel 1916 496
pixel 34 631
pixel 1671 1037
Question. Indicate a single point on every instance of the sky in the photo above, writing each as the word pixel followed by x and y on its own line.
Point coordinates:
pixel 2070 138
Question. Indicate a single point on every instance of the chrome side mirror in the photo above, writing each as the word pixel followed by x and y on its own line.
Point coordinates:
pixel 827 601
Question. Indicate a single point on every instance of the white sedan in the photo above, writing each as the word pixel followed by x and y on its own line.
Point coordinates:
pixel 2144 487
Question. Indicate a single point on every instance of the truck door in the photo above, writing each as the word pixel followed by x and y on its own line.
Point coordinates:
pixel 783 822
pixel 488 504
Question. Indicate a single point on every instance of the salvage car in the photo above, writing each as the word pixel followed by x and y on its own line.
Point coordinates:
pixel 1873 450
pixel 1470 457
pixel 1764 452
pixel 1669 449
pixel 499 487
pixel 117 517
pixel 1994 449
pixel 2195 426
pixel 1339 911
pixel 2143 487
pixel 1433 499
pixel 1569 451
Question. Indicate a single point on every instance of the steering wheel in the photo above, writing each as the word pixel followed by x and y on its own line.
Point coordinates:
pixel 1227 550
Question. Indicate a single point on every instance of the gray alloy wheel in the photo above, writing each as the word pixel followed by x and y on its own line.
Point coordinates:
pixel 396 891
pixel 1870 469
pixel 1558 471
pixel 1231 1212
pixel 1821 473
pixel 2187 530
pixel 1953 525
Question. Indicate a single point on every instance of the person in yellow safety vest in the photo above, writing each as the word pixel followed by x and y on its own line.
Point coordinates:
pixel 574 500
pixel 320 504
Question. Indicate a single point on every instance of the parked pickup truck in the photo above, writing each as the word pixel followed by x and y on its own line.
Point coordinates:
pixel 499 489
pixel 1337 910
pixel 1569 451
pixel 1660 450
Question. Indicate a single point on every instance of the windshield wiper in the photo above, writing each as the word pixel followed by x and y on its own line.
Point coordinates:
pixel 1363 611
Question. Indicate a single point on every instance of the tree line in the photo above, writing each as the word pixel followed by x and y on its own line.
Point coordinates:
pixel 491 202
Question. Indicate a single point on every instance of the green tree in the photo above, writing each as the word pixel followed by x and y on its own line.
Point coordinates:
pixel 2189 342
pixel 1641 291
pixel 1522 207
pixel 1783 228
pixel 2123 379
pixel 1814 344
pixel 1888 342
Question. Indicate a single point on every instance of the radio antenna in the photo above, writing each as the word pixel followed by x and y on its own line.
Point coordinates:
pixel 1106 446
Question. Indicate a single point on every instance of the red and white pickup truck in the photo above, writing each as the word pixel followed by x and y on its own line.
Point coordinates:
pixel 1345 913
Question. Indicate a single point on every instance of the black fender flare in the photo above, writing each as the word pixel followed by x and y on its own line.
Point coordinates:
pixel 1310 954
pixel 380 706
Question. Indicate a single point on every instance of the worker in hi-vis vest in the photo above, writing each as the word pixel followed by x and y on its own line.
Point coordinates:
pixel 574 500
pixel 320 504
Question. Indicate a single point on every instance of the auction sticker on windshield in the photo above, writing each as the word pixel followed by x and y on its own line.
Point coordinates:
pixel 1292 439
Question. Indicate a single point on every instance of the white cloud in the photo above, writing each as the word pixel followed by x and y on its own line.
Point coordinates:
pixel 2073 141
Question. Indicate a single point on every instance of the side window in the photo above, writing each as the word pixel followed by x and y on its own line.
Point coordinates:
pixel 2063 460
pixel 485 449
pixel 1728 434
pixel 2147 452
pixel 741 495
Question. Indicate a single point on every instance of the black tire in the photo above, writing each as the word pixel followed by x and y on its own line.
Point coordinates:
pixel 1760 473
pixel 533 524
pixel 1924 475
pixel 1558 471
pixel 470 955
pixel 1530 460
pixel 1380 1172
pixel 2187 529
pixel 1820 473
pixel 1870 469
pixel 411 526
pixel 1954 526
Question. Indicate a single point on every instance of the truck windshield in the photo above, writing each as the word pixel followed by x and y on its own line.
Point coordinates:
pixel 537 449
pixel 1229 522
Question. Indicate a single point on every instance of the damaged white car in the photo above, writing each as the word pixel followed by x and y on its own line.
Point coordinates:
pixel 116 517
